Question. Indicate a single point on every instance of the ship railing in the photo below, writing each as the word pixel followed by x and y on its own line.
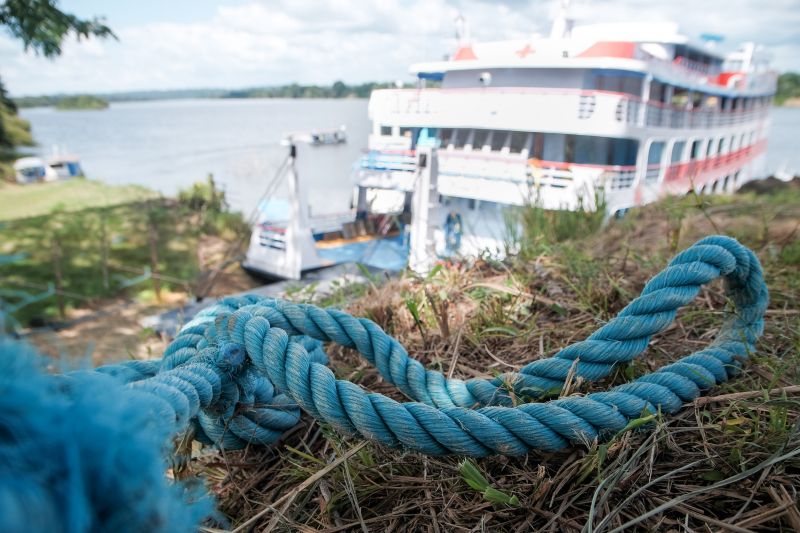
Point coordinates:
pixel 662 115
pixel 683 70
pixel 651 172
pixel 619 177
pixel 553 174
pixel 485 164
pixel 537 172
pixel 402 160
pixel 439 106
pixel 696 66
pixel 561 175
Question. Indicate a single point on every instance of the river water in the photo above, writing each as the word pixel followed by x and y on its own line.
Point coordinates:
pixel 167 145
pixel 170 144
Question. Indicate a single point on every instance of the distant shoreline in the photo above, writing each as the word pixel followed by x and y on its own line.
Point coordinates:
pixel 338 90
pixel 80 103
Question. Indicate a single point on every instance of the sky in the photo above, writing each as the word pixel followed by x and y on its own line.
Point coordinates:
pixel 178 44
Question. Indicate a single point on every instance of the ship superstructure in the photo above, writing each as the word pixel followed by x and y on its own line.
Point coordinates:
pixel 630 111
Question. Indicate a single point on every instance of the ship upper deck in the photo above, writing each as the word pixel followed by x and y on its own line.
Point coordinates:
pixel 654 50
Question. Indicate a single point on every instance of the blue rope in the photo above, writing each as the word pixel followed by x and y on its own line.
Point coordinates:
pixel 241 372
pixel 82 452
pixel 257 360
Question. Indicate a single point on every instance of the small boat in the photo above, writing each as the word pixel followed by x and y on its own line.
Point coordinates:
pixel 319 138
pixel 66 166
pixel 330 137
pixel 33 169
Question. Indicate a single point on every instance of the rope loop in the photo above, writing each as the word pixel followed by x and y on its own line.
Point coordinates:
pixel 241 371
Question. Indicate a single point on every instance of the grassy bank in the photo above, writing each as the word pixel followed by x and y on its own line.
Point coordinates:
pixel 82 245
pixel 715 466
pixel 38 199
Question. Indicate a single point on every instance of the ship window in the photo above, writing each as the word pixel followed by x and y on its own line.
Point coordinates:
pixel 680 97
pixel 386 131
pixel 479 139
pixel 712 102
pixel 590 150
pixel 720 145
pixel 656 91
pixel 569 149
pixel 677 151
pixel 538 145
pixel 622 152
pixel 696 149
pixel 460 138
pixel 445 136
pixel 654 161
pixel 406 132
pixel 655 153
pixel 499 139
pixel 618 83
pixel 517 142
pixel 710 150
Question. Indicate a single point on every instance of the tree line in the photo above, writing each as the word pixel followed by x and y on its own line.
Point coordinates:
pixel 788 87
pixel 338 89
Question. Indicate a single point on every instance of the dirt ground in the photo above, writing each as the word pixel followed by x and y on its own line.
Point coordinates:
pixel 112 331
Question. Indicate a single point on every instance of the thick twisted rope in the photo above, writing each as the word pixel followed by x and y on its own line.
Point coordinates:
pixel 241 370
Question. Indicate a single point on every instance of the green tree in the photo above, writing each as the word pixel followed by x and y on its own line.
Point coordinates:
pixel 339 89
pixel 14 131
pixel 788 87
pixel 42 27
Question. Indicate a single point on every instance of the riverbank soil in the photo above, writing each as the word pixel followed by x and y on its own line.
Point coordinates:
pixel 726 463
pixel 111 331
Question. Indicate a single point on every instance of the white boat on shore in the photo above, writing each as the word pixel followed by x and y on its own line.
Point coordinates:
pixel 36 169
pixel 33 170
pixel 630 111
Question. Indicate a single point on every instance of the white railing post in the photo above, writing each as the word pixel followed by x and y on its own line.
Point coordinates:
pixel 645 100
pixel 422 252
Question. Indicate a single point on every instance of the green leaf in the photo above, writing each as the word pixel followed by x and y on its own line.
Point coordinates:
pixel 414 310
pixel 478 482
pixel 435 270
pixel 495 496
pixel 501 330
pixel 472 476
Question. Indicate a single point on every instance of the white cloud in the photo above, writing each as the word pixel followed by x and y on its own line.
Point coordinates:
pixel 308 41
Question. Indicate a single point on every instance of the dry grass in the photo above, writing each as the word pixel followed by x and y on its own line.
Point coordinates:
pixel 731 463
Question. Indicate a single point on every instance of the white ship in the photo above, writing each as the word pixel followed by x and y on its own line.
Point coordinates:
pixel 631 111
